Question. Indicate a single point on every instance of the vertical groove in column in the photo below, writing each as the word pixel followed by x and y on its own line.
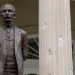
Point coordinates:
pixel 60 37
pixel 66 36
pixel 63 46
pixel 55 40
pixel 50 13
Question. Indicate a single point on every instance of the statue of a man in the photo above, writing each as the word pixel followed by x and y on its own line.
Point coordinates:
pixel 13 43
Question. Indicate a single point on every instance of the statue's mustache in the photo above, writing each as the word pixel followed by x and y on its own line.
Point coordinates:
pixel 7 17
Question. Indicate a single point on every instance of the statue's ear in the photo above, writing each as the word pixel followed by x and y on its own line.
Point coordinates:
pixel 14 15
pixel 0 12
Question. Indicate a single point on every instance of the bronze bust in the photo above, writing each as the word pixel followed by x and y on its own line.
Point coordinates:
pixel 13 43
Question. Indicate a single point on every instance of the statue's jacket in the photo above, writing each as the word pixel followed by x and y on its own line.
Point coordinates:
pixel 21 51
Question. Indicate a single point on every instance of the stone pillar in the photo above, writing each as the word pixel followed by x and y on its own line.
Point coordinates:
pixel 55 45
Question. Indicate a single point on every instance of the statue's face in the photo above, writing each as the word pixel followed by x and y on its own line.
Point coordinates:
pixel 7 12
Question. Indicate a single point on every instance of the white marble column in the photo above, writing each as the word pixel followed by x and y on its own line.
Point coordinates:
pixel 55 46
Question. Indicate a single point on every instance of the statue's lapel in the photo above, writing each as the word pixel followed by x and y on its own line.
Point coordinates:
pixel 17 37
pixel 16 32
pixel 2 40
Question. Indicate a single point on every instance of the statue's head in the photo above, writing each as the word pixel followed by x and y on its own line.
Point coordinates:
pixel 7 12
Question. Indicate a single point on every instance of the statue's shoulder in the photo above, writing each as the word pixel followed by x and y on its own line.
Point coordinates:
pixel 21 30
